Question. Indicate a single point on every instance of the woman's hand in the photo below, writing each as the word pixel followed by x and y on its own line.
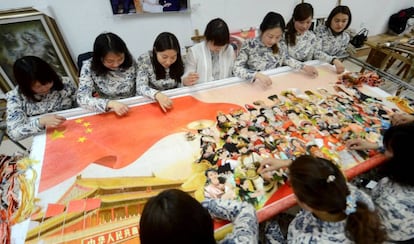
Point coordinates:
pixel 118 107
pixel 263 80
pixel 340 68
pixel 360 144
pixel 51 120
pixel 269 165
pixel 310 70
pixel 191 79
pixel 164 101
pixel 400 118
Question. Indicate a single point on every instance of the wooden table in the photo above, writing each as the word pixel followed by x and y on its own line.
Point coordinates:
pixel 386 51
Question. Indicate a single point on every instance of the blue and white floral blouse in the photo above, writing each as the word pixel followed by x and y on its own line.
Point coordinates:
pixel 241 214
pixel 95 91
pixel 307 48
pixel 146 74
pixel 305 228
pixel 254 56
pixel 20 110
pixel 335 46
pixel 395 204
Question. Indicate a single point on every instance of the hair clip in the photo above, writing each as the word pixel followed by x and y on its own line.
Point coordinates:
pixel 330 178
pixel 350 205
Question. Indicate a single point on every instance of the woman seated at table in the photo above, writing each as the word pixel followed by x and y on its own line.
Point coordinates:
pixel 332 38
pixel 301 42
pixel 211 59
pixel 111 75
pixel 337 214
pixel 267 51
pixel 395 188
pixel 39 91
pixel 162 67
pixel 393 195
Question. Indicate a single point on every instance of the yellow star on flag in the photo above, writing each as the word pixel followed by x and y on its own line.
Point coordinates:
pixel 86 124
pixel 78 121
pixel 57 134
pixel 88 130
pixel 82 139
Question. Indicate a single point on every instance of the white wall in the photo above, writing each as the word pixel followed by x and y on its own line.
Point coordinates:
pixel 80 21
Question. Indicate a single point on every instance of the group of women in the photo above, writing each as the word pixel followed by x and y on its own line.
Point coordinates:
pixel 332 209
pixel 339 213
pixel 112 73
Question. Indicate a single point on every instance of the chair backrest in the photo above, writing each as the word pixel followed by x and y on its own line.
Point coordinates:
pixel 82 57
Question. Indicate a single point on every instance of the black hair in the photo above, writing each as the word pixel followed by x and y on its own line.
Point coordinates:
pixel 30 69
pixel 301 12
pixel 174 216
pixel 167 41
pixel 397 139
pixel 217 32
pixel 308 175
pixel 104 44
pixel 340 9
pixel 270 21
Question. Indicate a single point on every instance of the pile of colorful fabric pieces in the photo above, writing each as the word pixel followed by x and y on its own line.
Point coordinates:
pixel 17 179
pixel 356 79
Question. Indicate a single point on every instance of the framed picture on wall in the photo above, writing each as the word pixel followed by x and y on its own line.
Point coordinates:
pixel 149 6
pixel 30 32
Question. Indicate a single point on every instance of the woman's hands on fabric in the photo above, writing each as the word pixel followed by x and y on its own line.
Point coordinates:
pixel 263 80
pixel 360 144
pixel 310 70
pixel 51 120
pixel 118 107
pixel 191 79
pixel 164 101
pixel 340 68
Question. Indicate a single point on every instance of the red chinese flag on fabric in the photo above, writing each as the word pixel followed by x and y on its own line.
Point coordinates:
pixel 116 141
pixel 92 203
pixel 54 209
pixel 76 206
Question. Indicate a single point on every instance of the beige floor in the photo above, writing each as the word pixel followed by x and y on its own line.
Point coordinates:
pixel 9 148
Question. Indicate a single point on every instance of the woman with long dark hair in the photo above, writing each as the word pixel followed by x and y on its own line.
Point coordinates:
pixel 110 75
pixel 333 40
pixel 40 91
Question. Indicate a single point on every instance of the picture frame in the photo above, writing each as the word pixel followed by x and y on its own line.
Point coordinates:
pixel 317 22
pixel 28 31
pixel 122 7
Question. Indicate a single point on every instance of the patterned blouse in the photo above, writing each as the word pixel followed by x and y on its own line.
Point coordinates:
pixel 241 214
pixel 395 204
pixel 307 48
pixel 305 228
pixel 255 56
pixel 335 46
pixel 20 110
pixel 95 91
pixel 146 74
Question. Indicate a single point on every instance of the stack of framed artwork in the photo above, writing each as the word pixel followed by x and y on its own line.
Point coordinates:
pixel 30 32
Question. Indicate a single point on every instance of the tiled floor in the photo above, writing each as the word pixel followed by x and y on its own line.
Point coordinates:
pixel 8 147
